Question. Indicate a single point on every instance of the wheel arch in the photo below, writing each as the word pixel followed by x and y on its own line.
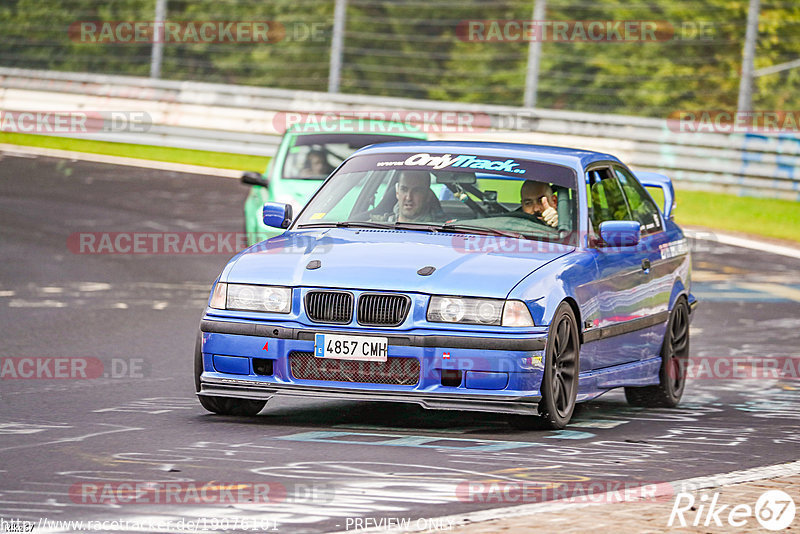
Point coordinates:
pixel 678 290
pixel 577 311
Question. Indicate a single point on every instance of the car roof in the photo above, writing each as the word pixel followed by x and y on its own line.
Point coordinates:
pixel 571 157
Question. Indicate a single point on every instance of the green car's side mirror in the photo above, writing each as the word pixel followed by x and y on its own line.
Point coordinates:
pixel 254 178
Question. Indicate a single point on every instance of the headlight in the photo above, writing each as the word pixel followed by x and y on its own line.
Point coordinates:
pixel 479 311
pixel 258 298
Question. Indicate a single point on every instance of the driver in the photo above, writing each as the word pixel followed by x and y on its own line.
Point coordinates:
pixel 538 199
pixel 415 200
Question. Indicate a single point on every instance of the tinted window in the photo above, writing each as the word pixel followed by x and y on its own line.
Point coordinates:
pixel 607 203
pixel 642 207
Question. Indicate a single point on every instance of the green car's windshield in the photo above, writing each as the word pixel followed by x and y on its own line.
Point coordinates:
pixel 449 192
pixel 315 156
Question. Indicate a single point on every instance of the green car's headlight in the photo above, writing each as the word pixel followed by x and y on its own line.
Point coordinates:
pixel 495 312
pixel 245 297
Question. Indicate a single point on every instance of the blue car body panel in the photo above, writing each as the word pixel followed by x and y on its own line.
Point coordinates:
pixel 621 307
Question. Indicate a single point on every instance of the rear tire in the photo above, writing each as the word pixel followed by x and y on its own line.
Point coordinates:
pixel 221 405
pixel 674 361
pixel 560 379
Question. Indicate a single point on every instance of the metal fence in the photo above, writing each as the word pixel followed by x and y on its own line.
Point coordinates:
pixel 250 120
pixel 606 56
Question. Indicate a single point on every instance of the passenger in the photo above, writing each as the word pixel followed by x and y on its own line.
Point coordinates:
pixel 538 199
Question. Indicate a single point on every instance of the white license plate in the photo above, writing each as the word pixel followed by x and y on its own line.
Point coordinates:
pixel 371 349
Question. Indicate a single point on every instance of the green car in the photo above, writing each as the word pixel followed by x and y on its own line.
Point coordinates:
pixel 308 153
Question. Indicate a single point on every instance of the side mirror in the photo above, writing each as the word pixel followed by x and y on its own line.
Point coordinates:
pixel 620 233
pixel 277 215
pixel 254 178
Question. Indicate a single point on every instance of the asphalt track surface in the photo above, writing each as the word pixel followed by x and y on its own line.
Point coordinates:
pixel 329 465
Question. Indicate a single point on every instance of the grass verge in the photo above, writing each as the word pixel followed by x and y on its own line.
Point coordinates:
pixel 204 158
pixel 768 217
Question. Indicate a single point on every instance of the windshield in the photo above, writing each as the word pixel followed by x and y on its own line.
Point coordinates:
pixel 315 156
pixel 445 192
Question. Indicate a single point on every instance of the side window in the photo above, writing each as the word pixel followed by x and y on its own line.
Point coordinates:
pixel 607 203
pixel 642 206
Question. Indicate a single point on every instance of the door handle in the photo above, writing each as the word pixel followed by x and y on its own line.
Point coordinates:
pixel 646 265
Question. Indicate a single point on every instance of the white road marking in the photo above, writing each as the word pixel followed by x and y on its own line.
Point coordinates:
pixel 93 286
pixel 689 484
pixel 21 303
pixel 743 242
pixel 51 289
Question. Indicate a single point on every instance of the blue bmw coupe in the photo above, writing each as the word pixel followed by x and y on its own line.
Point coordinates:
pixel 494 277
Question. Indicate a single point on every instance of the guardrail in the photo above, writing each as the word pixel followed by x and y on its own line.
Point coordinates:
pixel 246 120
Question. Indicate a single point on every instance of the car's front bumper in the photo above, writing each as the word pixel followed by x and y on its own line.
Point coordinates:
pixel 498 373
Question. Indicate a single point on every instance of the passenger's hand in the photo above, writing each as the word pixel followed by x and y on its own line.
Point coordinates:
pixel 550 215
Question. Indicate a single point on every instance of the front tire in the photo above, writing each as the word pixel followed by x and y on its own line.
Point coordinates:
pixel 221 405
pixel 674 361
pixel 560 378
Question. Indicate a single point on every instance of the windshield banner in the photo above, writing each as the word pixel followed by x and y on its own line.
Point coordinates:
pixel 452 162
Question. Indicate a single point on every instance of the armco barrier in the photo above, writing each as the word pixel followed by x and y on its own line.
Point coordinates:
pixel 242 119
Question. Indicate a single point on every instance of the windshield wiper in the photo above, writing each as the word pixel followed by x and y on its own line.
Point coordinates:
pixel 346 224
pixel 481 230
pixel 416 226
pixel 459 229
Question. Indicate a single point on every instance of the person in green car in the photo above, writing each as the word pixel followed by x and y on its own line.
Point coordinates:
pixel 316 165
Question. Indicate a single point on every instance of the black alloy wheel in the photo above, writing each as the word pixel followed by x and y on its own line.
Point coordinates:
pixel 674 362
pixel 560 378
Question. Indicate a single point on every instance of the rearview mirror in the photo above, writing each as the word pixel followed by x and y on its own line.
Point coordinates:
pixel 277 215
pixel 455 178
pixel 254 178
pixel 620 233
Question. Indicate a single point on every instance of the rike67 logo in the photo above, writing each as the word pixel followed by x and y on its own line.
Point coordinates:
pixel 774 510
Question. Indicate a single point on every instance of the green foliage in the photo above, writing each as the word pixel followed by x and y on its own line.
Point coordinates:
pixel 412 48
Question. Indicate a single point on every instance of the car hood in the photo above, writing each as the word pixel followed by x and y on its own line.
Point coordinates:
pixel 376 259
